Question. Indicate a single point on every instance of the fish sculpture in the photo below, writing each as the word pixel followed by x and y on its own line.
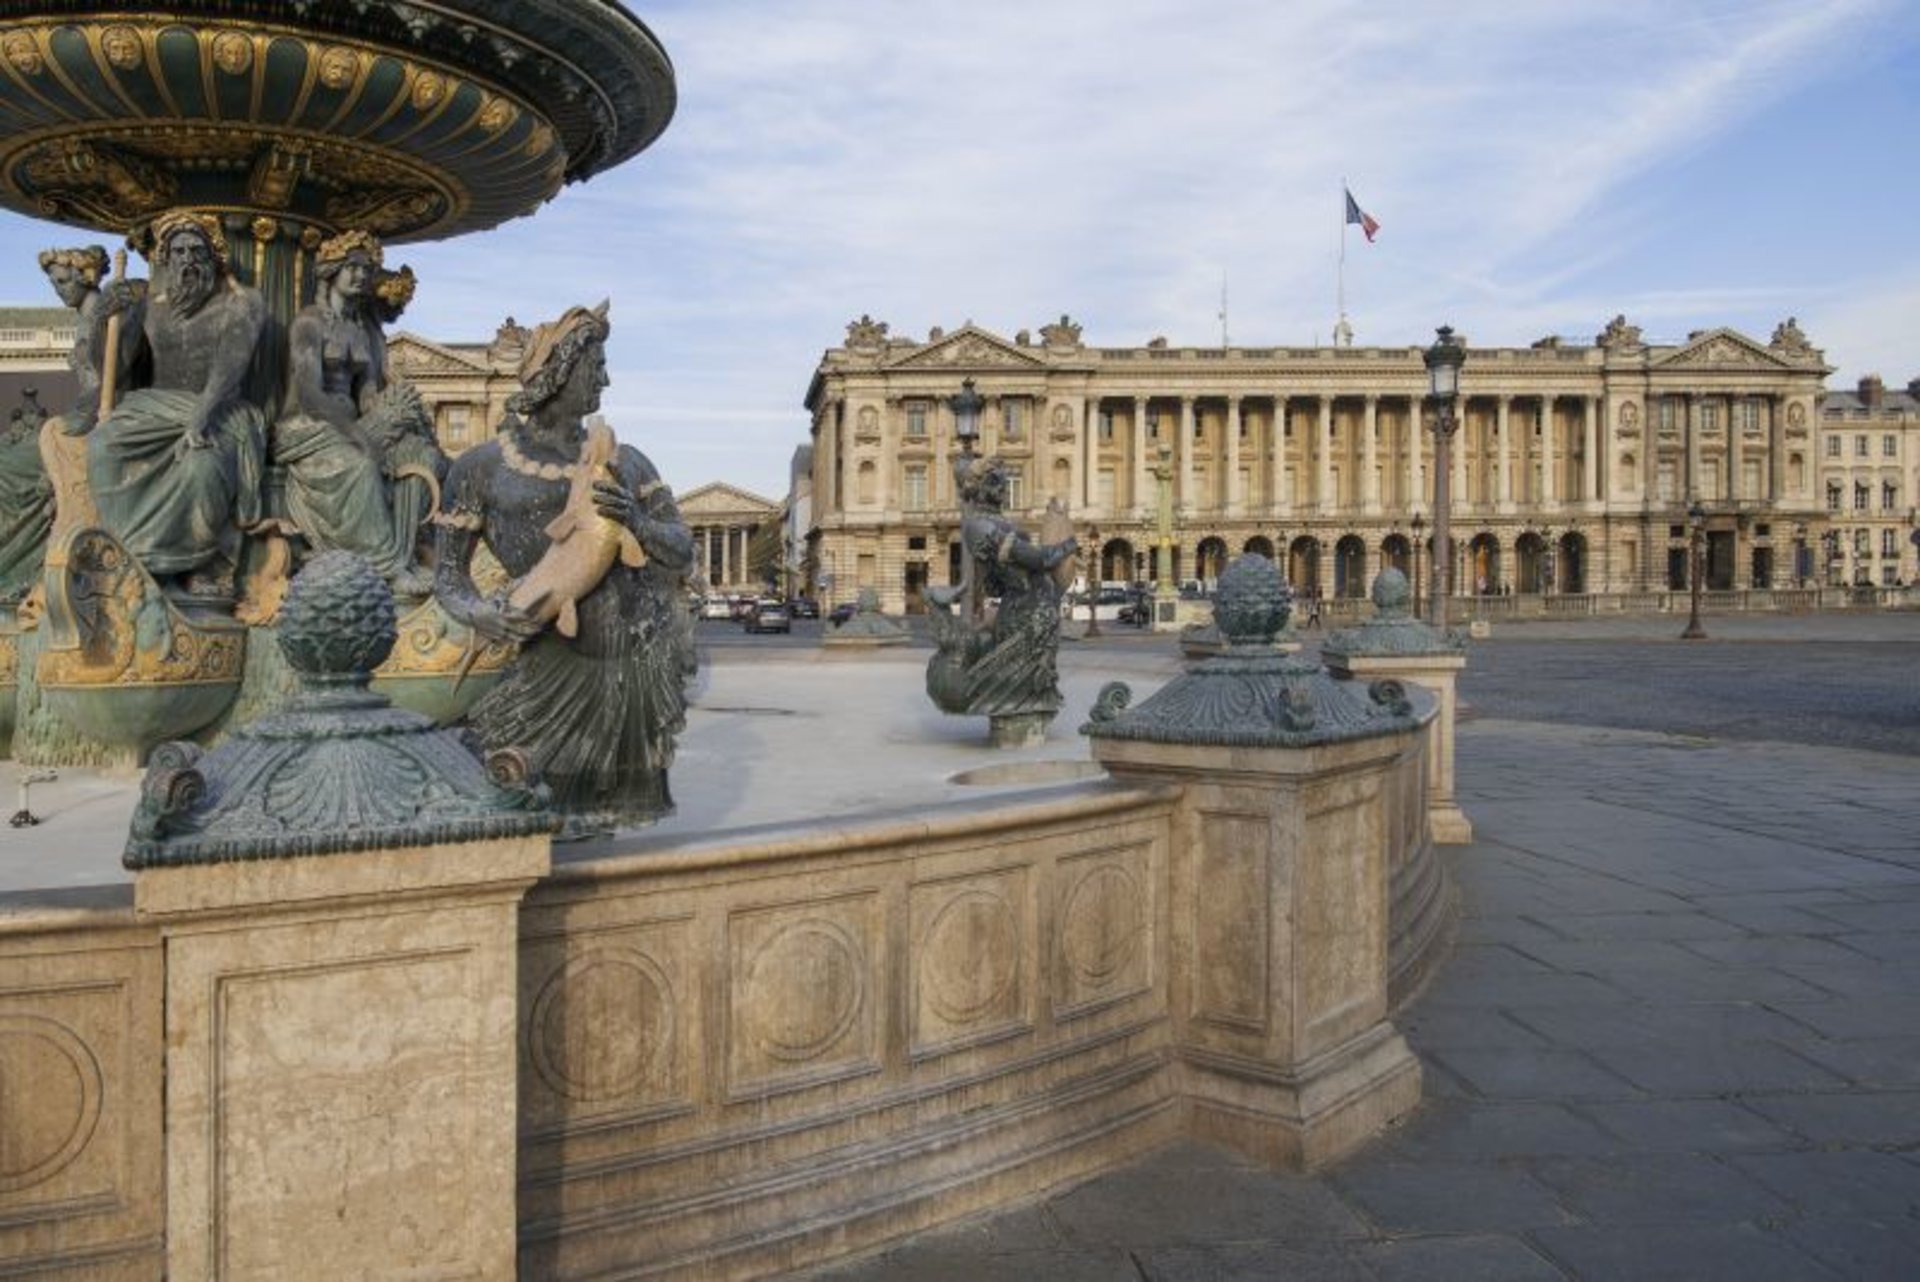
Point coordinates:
pixel 582 549
pixel 584 545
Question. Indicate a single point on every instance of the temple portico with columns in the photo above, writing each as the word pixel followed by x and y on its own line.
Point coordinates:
pixel 1573 467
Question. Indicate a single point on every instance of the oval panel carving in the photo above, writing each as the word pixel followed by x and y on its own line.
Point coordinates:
pixel 602 1025
pixel 50 1088
pixel 972 956
pixel 1101 926
pixel 804 989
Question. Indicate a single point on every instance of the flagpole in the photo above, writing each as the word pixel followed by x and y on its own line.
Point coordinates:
pixel 1341 276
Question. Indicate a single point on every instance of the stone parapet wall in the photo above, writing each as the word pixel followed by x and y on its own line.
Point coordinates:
pixel 735 1057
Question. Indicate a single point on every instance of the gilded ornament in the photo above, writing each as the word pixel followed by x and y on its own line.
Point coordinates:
pixel 122 46
pixel 540 140
pixel 23 52
pixel 497 114
pixel 264 229
pixel 233 52
pixel 429 88
pixel 339 66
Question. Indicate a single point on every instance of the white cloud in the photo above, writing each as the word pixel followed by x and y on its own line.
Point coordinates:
pixel 929 163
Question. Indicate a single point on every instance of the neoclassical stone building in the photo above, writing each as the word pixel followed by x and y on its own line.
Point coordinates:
pixel 1870 481
pixel 1572 470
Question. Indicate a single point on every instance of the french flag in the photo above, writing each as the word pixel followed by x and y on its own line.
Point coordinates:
pixel 1361 217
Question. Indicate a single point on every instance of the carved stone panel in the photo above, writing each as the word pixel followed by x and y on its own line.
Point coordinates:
pixel 607 1026
pixel 1339 915
pixel 803 987
pixel 80 1077
pixel 970 977
pixel 1232 912
pixel 1102 930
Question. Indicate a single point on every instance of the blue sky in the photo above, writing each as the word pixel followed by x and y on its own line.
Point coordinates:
pixel 1535 168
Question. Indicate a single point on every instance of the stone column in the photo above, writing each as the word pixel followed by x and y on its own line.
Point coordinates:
pixel 1279 494
pixel 1457 464
pixel 1590 446
pixel 1090 472
pixel 1549 495
pixel 726 555
pixel 1416 457
pixel 1695 469
pixel 1370 457
pixel 1502 461
pixel 1776 451
pixel 1140 488
pixel 1236 492
pixel 1325 499
pixel 1184 500
pixel 1736 447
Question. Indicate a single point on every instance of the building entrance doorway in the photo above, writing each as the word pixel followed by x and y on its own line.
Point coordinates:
pixel 916 587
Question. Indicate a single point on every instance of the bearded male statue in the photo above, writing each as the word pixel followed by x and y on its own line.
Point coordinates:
pixel 176 466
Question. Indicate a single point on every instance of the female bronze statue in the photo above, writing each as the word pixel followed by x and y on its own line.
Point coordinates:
pixel 361 462
pixel 595 709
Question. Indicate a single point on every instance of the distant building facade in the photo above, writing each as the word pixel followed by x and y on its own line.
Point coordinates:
pixel 34 343
pixel 736 538
pixel 1870 484
pixel 1573 466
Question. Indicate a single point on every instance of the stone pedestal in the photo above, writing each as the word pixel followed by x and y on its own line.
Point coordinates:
pixel 340 1065
pixel 1279 942
pixel 1435 672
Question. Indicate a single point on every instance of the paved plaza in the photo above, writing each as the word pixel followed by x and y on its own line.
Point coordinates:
pixel 1679 1036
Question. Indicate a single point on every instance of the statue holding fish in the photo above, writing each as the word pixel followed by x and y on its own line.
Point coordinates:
pixel 598 555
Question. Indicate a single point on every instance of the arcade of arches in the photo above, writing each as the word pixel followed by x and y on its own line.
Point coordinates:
pixel 1572 469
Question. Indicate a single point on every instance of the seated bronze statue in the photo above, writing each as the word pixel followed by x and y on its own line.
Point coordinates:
pixel 362 467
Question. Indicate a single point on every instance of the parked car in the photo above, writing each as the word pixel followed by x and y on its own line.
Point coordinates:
pixel 1108 604
pixel 804 607
pixel 768 616
pixel 716 607
pixel 841 613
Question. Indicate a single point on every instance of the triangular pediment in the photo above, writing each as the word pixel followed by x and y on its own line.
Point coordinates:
pixel 1721 349
pixel 968 347
pixel 717 498
pixel 409 353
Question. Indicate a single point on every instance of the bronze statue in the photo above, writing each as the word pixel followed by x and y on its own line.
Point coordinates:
pixel 1003 667
pixel 598 691
pixel 361 462
pixel 26 501
pixel 176 466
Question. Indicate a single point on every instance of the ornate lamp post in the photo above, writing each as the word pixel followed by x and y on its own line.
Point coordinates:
pixel 966 407
pixel 1547 566
pixel 1093 570
pixel 1696 537
pixel 1419 531
pixel 1165 589
pixel 1443 361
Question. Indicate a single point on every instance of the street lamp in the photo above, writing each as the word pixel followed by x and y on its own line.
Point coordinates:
pixel 1093 581
pixel 966 407
pixel 1443 361
pixel 1547 566
pixel 1419 529
pixel 1696 536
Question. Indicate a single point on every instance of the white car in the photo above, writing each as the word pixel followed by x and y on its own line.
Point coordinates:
pixel 716 607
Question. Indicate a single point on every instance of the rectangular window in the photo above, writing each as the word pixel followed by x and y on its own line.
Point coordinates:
pixel 1667 490
pixel 1889 543
pixel 1747 414
pixel 1012 418
pixel 1889 446
pixel 916 418
pixel 1860 447
pixel 915 497
pixel 1859 498
pixel 1709 417
pixel 1889 575
pixel 1106 426
pixel 1833 447
pixel 1153 424
pixel 1889 497
pixel 1016 489
pixel 1669 413
pixel 1833 496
